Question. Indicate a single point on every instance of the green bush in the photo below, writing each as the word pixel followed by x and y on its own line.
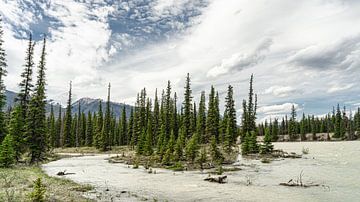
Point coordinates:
pixel 38 194
pixel 7 152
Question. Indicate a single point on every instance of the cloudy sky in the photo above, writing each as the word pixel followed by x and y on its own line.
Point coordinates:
pixel 305 53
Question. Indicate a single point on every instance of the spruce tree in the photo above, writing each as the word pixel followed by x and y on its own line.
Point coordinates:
pixel 105 135
pixel 186 122
pixel 338 133
pixel 275 130
pixel 192 147
pixel 215 153
pixel 267 146
pixel 292 124
pixel 89 130
pixel 212 124
pixel 36 119
pixel 231 128
pixel 68 135
pixel 124 131
pixel 52 128
pixel 3 72
pixel 58 129
pixel 25 85
pixel 201 119
pixel 7 152
pixel 16 131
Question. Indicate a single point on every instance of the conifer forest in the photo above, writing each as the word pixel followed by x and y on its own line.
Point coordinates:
pixel 202 141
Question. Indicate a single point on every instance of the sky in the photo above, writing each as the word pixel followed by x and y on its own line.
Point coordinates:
pixel 302 53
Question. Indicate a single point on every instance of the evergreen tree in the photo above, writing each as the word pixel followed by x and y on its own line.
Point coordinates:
pixel 192 148
pixel 130 127
pixel 275 130
pixel 7 152
pixel 201 120
pixel 231 129
pixel 52 128
pixel 25 86
pixel 179 147
pixel 16 131
pixel 267 147
pixel 303 128
pixel 292 124
pixel 58 127
pixel 156 118
pixel 36 119
pixel 216 155
pixel 68 135
pixel 89 130
pixel 338 133
pixel 186 122
pixel 123 133
pixel 105 135
pixel 212 124
pixel 3 73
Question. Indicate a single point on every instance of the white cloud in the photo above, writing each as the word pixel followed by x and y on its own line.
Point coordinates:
pixel 280 91
pixel 339 87
pixel 284 108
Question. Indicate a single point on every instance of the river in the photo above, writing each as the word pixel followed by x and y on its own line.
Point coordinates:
pixel 333 165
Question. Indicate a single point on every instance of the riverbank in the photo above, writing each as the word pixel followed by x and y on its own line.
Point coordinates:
pixel 332 165
pixel 16 183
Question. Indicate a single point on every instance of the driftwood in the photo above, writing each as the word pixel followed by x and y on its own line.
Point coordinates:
pixel 298 182
pixel 62 173
pixel 221 179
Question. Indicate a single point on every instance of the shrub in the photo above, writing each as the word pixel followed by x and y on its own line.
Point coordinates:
pixel 38 194
pixel 7 152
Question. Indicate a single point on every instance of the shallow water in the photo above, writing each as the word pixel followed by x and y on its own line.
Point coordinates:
pixel 334 165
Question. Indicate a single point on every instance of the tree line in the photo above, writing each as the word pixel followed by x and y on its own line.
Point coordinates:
pixel 156 125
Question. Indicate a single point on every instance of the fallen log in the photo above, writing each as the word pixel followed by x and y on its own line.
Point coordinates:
pixel 220 179
pixel 62 173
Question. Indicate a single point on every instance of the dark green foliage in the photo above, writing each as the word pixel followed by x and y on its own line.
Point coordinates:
pixel 231 128
pixel 267 146
pixel 212 121
pixel 186 121
pixel 249 110
pixel 201 119
pixel 216 155
pixel 192 147
pixel 36 126
pixel 105 134
pixel 3 72
pixel 7 152
pixel 16 130
pixel 58 129
pixel 52 128
pixel 38 193
pixel 292 124
pixel 99 126
pixel 124 139
pixel 68 135
pixel 179 147
pixel 89 130
pixel 249 145
pixel 339 131
pixel 202 158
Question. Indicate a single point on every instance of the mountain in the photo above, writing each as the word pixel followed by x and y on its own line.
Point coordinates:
pixel 86 104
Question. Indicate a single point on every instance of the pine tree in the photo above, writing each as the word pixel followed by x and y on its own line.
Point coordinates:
pixel 303 128
pixel 212 124
pixel 68 135
pixel 192 147
pixel 216 155
pixel 7 152
pixel 201 120
pixel 130 127
pixel 292 124
pixel 267 146
pixel 179 147
pixel 123 133
pixel 89 130
pixel 16 131
pixel 175 121
pixel 338 133
pixel 3 72
pixel 187 109
pixel 36 119
pixel 58 129
pixel 105 135
pixel 275 130
pixel 156 118
pixel 25 86
pixel 231 129
pixel 52 128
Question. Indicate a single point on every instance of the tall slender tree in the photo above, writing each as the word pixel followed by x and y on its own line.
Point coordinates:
pixel 36 119
pixel 68 135
pixel 201 119
pixel 187 108
pixel 231 128
pixel 105 136
pixel 3 72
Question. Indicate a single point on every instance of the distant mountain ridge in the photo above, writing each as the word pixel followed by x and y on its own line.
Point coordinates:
pixel 86 105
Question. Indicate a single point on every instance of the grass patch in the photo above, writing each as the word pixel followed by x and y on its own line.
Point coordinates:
pixel 17 183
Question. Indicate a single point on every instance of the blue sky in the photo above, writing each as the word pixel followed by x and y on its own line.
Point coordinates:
pixel 305 53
